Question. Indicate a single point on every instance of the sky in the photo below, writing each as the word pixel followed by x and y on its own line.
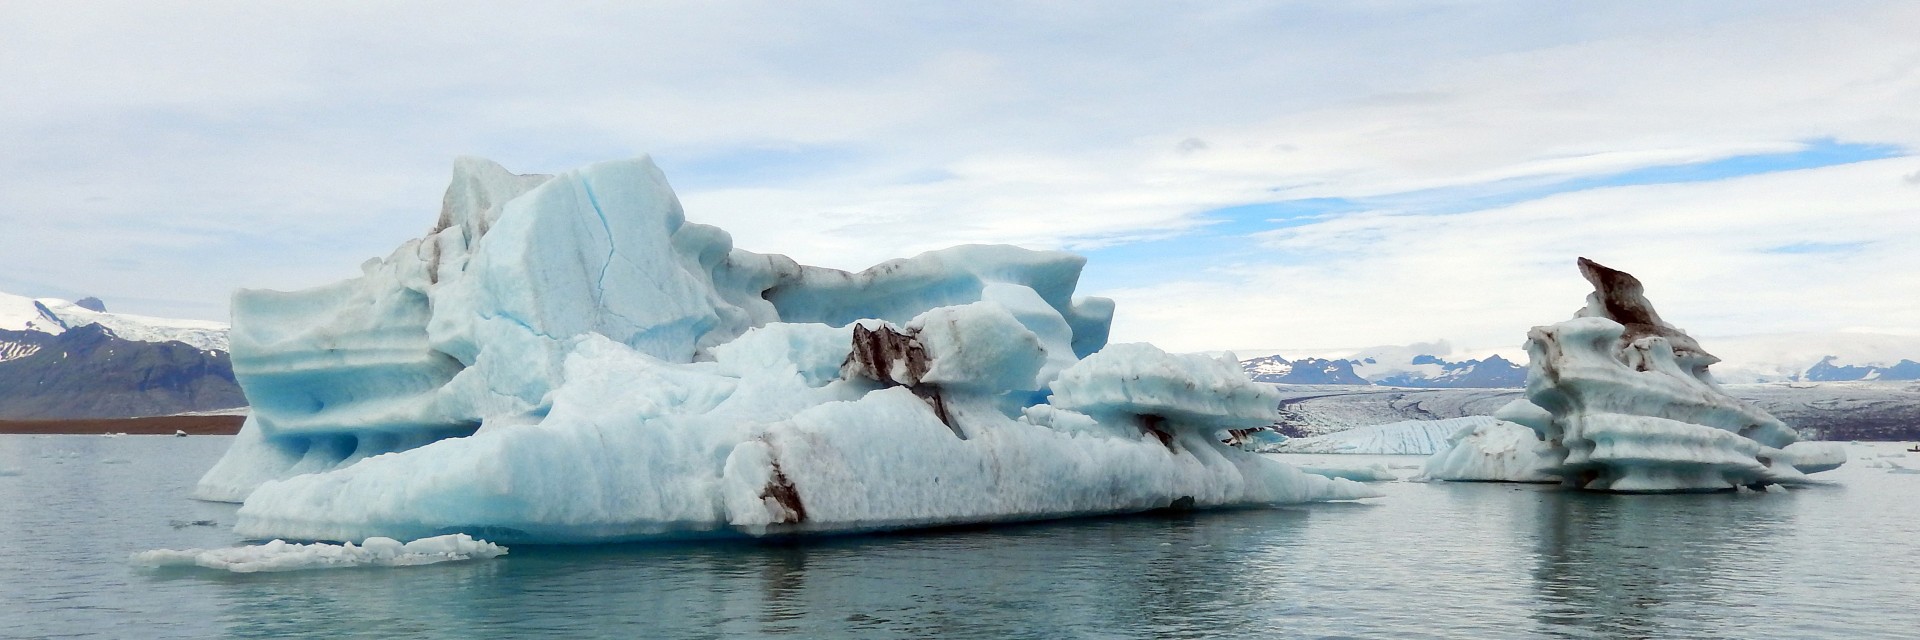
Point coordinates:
pixel 1255 176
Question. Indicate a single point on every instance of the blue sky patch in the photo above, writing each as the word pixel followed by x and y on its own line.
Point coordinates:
pixel 1226 235
pixel 1817 247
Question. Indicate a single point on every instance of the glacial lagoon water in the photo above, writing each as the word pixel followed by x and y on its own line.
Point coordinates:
pixel 1427 561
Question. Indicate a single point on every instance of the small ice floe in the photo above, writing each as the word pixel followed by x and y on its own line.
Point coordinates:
pixel 112 435
pixel 1897 469
pixel 8 473
pixel 182 524
pixel 179 433
pixel 280 555
pixel 114 461
pixel 1370 473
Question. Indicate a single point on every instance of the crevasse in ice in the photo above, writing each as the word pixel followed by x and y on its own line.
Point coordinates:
pixel 566 359
pixel 1619 400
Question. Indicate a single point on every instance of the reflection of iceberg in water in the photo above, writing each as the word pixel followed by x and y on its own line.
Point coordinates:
pixel 1656 566
pixel 566 359
pixel 1622 401
pixel 1044 580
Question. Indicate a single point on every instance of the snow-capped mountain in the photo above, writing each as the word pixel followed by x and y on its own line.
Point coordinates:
pixel 1491 373
pixel 1827 371
pixel 1798 357
pixel 1304 371
pixel 1816 357
pixel 61 359
pixel 54 316
pixel 1420 365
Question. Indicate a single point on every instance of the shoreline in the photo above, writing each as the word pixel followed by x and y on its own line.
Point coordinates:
pixel 155 425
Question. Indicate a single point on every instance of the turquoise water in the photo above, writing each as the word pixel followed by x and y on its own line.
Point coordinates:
pixel 1427 561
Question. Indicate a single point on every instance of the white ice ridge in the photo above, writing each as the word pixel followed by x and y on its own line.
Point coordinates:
pixel 566 359
pixel 1410 437
pixel 1619 400
pixel 280 555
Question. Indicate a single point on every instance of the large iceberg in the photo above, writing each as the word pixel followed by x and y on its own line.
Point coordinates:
pixel 1619 400
pixel 566 359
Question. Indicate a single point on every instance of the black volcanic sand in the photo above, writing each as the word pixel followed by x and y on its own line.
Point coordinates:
pixel 158 425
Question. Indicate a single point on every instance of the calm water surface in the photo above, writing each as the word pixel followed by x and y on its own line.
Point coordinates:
pixel 1427 561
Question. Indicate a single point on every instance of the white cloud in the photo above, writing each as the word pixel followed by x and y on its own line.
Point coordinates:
pixel 166 153
pixel 1707 252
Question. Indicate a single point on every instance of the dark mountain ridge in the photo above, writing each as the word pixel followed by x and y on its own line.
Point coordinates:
pixel 88 372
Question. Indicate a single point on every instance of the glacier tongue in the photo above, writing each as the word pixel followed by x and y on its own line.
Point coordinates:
pixel 567 359
pixel 1620 400
pixel 1405 438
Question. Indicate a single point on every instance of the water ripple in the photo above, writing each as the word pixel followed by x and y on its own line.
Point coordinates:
pixel 1427 561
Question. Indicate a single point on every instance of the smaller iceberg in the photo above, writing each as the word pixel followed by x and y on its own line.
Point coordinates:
pixel 1620 400
pixel 1494 451
pixel 280 555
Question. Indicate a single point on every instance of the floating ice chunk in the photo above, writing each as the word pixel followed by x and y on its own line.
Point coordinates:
pixel 280 555
pixel 1815 457
pixel 1411 437
pixel 1369 473
pixel 1495 451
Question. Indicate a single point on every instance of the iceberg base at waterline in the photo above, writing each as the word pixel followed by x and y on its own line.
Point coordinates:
pixel 1502 451
pixel 566 359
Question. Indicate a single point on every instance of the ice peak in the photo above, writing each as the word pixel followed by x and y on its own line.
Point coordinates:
pixel 1618 296
pixel 478 188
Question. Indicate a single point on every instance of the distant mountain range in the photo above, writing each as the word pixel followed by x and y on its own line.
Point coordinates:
pixel 1835 357
pixel 67 360
pixel 61 359
pixel 1827 371
pixel 1303 371
pixel 1420 371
